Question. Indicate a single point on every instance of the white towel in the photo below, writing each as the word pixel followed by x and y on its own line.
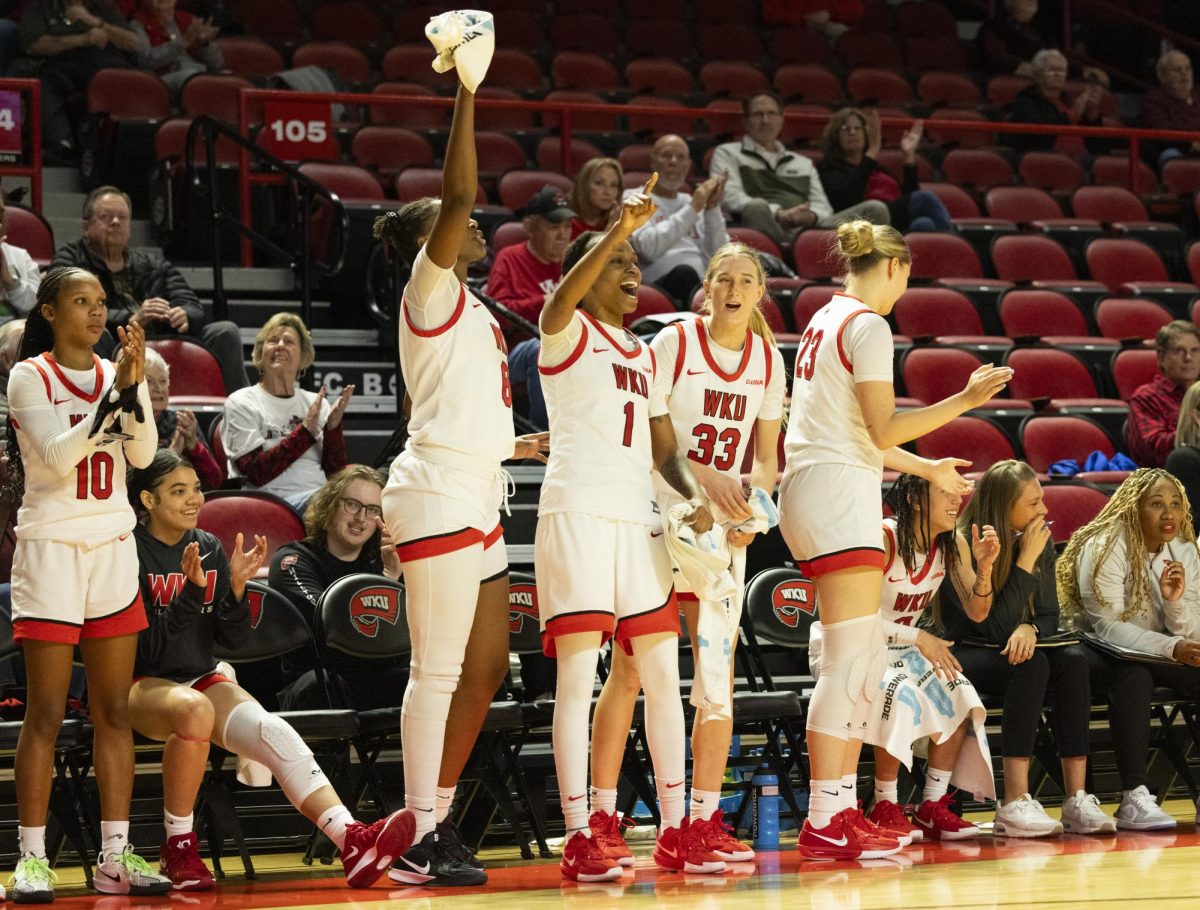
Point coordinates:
pixel 464 39
pixel 249 773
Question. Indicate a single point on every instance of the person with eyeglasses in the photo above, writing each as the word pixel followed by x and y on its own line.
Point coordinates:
pixel 344 535
pixel 1154 407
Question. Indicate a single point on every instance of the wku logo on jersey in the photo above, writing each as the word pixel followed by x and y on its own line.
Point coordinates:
pixel 255 601
pixel 724 405
pixel 630 380
pixel 165 588
pixel 522 604
pixel 790 599
pixel 370 605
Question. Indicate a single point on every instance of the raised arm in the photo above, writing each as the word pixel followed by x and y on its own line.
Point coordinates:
pixel 460 183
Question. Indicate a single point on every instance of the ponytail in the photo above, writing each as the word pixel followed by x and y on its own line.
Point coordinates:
pixel 758 325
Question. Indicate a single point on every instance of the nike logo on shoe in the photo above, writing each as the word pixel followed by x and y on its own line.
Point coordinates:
pixel 829 840
pixel 674 854
pixel 423 870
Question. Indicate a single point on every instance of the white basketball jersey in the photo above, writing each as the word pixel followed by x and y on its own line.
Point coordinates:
pixel 714 411
pixel 906 592
pixel 90 504
pixel 825 425
pixel 599 401
pixel 457 377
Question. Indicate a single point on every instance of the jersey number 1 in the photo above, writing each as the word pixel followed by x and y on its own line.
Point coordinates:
pixel 94 476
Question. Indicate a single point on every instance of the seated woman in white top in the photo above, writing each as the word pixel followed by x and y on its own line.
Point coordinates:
pixel 283 439
pixel 1133 577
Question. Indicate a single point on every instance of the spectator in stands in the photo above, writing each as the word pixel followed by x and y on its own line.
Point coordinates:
pixel 1154 407
pixel 1173 105
pixel 1184 460
pixel 773 190
pixel 177 430
pixel 850 172
pixel 174 44
pixel 1009 41
pixel 11 334
pixel 10 34
pixel 524 275
pixel 1132 575
pixel 832 18
pixel 527 382
pixel 19 274
pixel 64 43
pixel 145 288
pixel 1046 102
pixel 282 439
pixel 674 246
pixel 344 535
pixel 596 195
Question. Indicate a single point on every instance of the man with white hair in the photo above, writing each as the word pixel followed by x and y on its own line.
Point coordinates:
pixel 19 274
pixel 11 334
pixel 1172 106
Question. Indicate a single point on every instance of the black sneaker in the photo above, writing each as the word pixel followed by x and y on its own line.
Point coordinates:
pixel 448 835
pixel 433 862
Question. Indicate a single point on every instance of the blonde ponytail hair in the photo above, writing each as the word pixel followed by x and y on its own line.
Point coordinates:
pixel 861 245
pixel 758 322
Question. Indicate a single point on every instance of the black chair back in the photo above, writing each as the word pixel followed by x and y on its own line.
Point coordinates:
pixel 781 604
pixel 276 628
pixel 363 615
pixel 524 631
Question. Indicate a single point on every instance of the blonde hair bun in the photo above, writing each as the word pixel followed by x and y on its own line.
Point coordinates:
pixel 856 238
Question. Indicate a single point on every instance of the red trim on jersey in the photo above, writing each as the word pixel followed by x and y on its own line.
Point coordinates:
pixel 575 355
pixel 495 534
pixel 747 350
pixel 664 618
pixel 569 623
pixel 126 621
pixel 45 630
pixel 449 324
pixel 854 558
pixel 887 530
pixel 438 544
pixel 841 329
pixel 71 387
pixel 45 379
pixel 628 355
pixel 679 329
pixel 767 356
pixel 930 559
pixel 653 362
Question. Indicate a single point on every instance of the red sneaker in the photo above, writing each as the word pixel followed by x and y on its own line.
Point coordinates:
pixel 844 838
pixel 370 849
pixel 606 832
pixel 720 840
pixel 939 821
pixel 179 860
pixel 584 861
pixel 888 816
pixel 684 849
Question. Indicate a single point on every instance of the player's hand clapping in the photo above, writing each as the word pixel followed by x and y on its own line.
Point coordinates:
pixel 131 367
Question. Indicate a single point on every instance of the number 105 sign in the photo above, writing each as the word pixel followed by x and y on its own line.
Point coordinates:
pixel 298 130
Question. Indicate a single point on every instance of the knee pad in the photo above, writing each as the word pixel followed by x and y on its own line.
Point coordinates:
pixel 251 732
pixel 854 658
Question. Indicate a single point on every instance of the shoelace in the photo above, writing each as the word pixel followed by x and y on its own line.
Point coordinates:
pixel 34 868
pixel 133 863
pixel 1144 801
pixel 719 826
pixel 453 844
pixel 1091 801
pixel 941 810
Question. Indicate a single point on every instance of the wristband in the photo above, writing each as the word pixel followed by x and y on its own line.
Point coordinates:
pixel 987 593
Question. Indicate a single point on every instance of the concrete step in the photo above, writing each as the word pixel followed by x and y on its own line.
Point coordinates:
pixel 274 281
pixel 61 180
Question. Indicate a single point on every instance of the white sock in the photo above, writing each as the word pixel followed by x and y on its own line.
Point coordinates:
pixel 849 790
pixel 705 803
pixel 114 837
pixel 32 841
pixel 937 782
pixel 887 791
pixel 603 800
pixel 333 823
pixel 824 801
pixel 445 801
pixel 670 801
pixel 177 825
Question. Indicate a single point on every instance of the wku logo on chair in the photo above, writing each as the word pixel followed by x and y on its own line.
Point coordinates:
pixel 522 602
pixel 370 605
pixel 790 599
pixel 255 599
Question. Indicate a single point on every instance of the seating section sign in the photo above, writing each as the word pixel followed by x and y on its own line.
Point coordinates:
pixel 10 127
pixel 298 131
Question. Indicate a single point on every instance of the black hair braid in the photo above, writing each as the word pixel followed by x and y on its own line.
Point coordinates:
pixel 401 229
pixel 909 499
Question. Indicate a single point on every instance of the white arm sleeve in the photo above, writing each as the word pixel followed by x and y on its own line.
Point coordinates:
pixel 139 451
pixel 35 414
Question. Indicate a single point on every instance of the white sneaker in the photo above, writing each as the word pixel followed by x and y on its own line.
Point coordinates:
pixel 1081 814
pixel 33 881
pixel 1139 811
pixel 127 873
pixel 1024 817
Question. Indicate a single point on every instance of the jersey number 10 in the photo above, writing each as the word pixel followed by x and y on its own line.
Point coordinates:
pixel 94 476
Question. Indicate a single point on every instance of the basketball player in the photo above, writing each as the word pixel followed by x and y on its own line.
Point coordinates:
pixel 442 502
pixel 74 424
pixel 843 430
pixel 727 383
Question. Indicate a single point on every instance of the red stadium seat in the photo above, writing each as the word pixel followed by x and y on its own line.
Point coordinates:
pixel 1181 176
pixel 917 18
pixel 660 124
pixel 515 70
pixel 353 21
pixel 1027 205
pixel 216 96
pixel 932 373
pixel 1193 262
pixel 940 129
pixel 520 28
pixel 813 254
pixel 349 182
pixel 724 118
pixel 1072 505
pixel 1123 318
pixel 508 234
pixel 31 232
pixel 937 255
pixel 579 70
pixel 1133 368
pixel 977 439
pixel 1130 268
pixel 937 88
pixel 942 52
pixel 276 21
pixel 657 37
pixel 873 85
pixel 517 186
pixel 729 42
pixel 977 169
pixel 650 301
pixel 346 60
pixel 411 116
pixel 1056 376
pixel 418 182
pixel 809 82
pixel 859 48
pixel 409 23
pixel 798 45
pixel 1051 172
pixel 552 120
pixel 1113 170
pixel 1048 315
pixel 171 138
pixel 387 150
pixel 492 118
pixel 945 315
pixel 1029 257
pixel 1002 90
pixel 1111 205
pixel 497 154
pixel 713 12
pixel 251 57
pixel 549 154
pixel 804 132
pixel 756 239
pixel 1047 439
pixel 808 301
pixel 128 94
pixel 225 514
pixel 587 33
pixel 658 77
pixel 195 371
pixel 410 63
pixel 732 79
pixel 957 201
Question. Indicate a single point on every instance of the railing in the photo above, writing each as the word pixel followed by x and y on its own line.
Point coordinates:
pixel 32 170
pixel 274 171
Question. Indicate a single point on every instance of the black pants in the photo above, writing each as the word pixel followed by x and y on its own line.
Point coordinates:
pixel 1130 711
pixel 63 76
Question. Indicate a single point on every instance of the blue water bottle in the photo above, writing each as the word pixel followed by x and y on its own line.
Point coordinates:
pixel 765 825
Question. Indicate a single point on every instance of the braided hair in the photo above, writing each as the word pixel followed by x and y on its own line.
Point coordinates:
pixel 909 501
pixel 1118 519
pixel 38 338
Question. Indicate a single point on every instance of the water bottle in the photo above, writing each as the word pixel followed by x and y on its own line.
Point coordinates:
pixel 765 824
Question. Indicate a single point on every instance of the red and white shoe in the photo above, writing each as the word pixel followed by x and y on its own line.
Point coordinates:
pixel 940 822
pixel 179 860
pixel 370 849
pixel 584 861
pixel 888 816
pixel 843 838
pixel 719 838
pixel 865 826
pixel 606 832
pixel 684 849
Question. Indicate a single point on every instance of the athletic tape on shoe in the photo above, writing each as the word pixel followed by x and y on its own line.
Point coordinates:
pixel 464 40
